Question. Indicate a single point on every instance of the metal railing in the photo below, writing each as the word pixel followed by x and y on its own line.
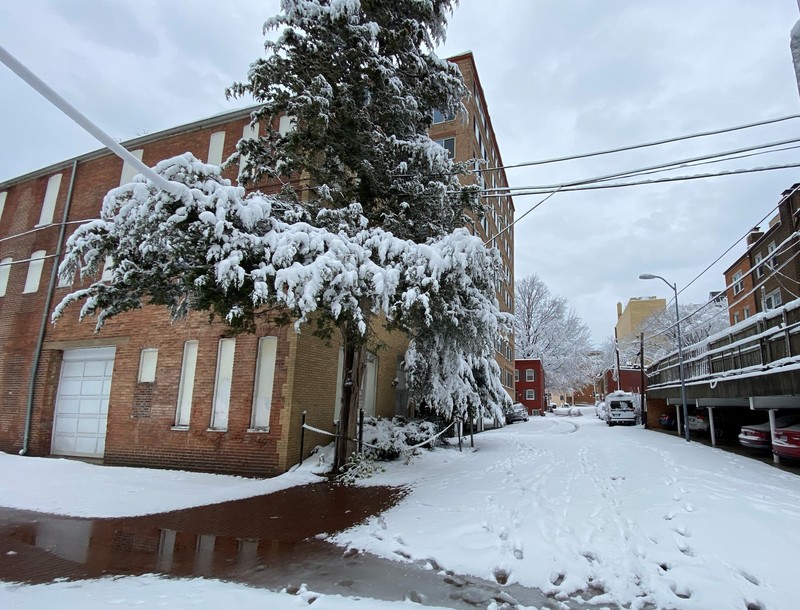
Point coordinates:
pixel 767 340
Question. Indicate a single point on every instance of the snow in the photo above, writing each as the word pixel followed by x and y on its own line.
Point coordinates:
pixel 617 516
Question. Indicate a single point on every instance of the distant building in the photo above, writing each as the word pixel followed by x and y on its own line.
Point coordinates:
pixel 638 309
pixel 529 384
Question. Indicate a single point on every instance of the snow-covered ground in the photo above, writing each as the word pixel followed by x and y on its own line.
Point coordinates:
pixel 564 504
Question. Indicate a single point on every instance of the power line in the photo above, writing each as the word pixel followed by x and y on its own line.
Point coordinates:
pixel 646 145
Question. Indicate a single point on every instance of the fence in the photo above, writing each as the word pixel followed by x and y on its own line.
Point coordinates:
pixel 769 338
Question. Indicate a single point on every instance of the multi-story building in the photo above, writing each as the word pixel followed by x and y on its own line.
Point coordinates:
pixel 146 391
pixel 529 385
pixel 637 310
pixel 767 275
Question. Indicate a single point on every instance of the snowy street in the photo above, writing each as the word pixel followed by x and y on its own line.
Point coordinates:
pixel 592 516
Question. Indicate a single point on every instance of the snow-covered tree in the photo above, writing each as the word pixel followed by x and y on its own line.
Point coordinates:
pixel 698 322
pixel 546 327
pixel 367 220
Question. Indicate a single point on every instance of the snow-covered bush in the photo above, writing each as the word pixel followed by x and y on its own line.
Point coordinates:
pixel 388 439
pixel 357 467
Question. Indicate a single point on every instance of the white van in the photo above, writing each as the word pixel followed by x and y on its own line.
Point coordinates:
pixel 622 408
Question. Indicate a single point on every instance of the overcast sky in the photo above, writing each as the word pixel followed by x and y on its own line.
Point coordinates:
pixel 561 77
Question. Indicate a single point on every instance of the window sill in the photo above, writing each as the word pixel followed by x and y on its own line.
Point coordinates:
pixel 258 430
pixel 216 429
pixel 180 428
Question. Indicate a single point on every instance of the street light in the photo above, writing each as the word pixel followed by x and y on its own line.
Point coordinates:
pixel 650 276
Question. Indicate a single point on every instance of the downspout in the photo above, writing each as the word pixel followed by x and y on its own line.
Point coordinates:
pixel 37 355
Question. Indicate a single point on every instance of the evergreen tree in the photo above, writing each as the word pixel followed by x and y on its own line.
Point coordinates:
pixel 366 222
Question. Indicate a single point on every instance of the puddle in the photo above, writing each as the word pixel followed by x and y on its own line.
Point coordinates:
pixel 274 541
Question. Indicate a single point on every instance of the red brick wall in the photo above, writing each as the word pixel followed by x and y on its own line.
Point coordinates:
pixel 537 385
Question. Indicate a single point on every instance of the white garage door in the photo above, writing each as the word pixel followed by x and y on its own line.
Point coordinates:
pixel 82 402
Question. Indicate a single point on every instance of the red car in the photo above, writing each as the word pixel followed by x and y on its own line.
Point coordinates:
pixel 787 442
pixel 757 436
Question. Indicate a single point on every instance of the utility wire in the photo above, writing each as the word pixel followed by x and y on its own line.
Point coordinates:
pixel 646 145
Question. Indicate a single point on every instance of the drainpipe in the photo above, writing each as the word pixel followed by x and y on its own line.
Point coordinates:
pixel 46 314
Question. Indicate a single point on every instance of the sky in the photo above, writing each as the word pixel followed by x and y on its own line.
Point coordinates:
pixel 560 78
pixel 619 517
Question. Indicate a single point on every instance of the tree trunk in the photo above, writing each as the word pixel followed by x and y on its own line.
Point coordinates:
pixel 352 379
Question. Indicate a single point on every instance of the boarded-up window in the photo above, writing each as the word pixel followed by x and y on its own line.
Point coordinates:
pixel 215 147
pixel 222 384
pixel 50 198
pixel 265 379
pixel 34 272
pixel 128 170
pixel 186 388
pixel 5 270
pixel 147 365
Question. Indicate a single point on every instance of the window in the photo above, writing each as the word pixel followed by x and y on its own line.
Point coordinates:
pixel 3 196
pixel 34 272
pixel 530 375
pixel 186 387
pixel 108 269
pixel 736 318
pixel 746 313
pixel 5 269
pixel 216 144
pixel 147 365
pixel 265 377
pixel 222 384
pixel 516 374
pixel 369 385
pixel 128 170
pixel 772 300
pixel 250 132
pixel 50 198
pixel 530 394
pixel 449 144
pixel 337 407
pixel 440 117
pixel 285 125
pixel 738 286
pixel 758 266
pixel 771 262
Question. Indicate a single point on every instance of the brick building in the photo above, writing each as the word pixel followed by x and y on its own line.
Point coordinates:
pixel 148 392
pixel 529 384
pixel 767 274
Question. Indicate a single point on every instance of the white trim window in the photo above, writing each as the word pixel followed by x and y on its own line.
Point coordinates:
pixel 737 283
pixel 186 388
pixel 441 117
pixel 516 375
pixel 3 196
pixel 449 144
pixel 530 394
pixel 530 375
pixel 772 300
pixel 223 381
pixel 148 360
pixel 771 262
pixel 35 267
pixel 757 260
pixel 264 382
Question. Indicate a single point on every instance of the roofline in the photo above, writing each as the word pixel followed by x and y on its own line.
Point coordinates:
pixel 133 143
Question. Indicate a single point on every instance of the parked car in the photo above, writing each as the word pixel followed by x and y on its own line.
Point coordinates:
pixel 621 408
pixel 667 421
pixel 600 410
pixel 758 436
pixel 518 412
pixel 786 443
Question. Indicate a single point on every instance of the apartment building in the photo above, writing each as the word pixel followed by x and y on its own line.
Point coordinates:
pixel 145 391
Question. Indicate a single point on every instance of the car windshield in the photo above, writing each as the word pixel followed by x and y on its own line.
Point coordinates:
pixel 621 404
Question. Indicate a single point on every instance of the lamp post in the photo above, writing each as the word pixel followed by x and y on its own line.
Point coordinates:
pixel 650 276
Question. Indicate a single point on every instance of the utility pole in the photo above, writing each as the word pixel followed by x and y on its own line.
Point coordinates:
pixel 642 403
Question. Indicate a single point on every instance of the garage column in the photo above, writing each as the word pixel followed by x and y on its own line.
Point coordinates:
pixel 775 458
pixel 678 419
pixel 711 426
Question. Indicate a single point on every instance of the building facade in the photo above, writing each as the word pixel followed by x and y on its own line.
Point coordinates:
pixel 636 311
pixel 767 275
pixel 529 385
pixel 145 391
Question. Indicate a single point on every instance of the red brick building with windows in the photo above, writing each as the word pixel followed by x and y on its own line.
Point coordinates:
pixel 148 392
pixel 529 384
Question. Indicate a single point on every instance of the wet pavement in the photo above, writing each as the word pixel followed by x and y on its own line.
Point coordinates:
pixel 275 541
